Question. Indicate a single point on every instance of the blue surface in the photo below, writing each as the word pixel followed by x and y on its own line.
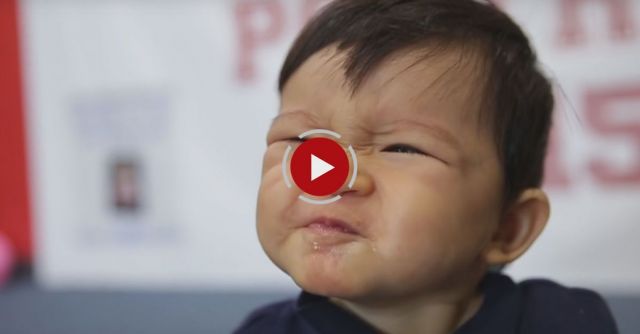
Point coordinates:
pixel 24 308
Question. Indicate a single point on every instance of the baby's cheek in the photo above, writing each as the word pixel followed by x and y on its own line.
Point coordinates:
pixel 274 201
pixel 272 157
pixel 418 231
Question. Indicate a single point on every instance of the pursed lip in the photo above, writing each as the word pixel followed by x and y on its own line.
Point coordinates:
pixel 325 224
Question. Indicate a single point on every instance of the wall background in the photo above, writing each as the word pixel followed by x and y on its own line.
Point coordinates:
pixel 146 124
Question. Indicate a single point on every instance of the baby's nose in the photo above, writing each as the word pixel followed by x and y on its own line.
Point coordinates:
pixel 362 185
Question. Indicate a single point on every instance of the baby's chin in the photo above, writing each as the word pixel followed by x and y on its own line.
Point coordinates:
pixel 324 279
pixel 332 266
pixel 330 286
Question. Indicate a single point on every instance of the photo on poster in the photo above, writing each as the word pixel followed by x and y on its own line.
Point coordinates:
pixel 126 186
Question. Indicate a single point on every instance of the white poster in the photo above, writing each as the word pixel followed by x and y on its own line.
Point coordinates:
pixel 148 120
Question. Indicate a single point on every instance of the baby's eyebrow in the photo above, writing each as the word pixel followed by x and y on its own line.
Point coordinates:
pixel 291 114
pixel 437 131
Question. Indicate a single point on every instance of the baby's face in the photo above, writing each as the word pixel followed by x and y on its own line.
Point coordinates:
pixel 423 220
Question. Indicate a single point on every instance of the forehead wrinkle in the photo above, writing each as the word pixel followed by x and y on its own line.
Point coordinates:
pixel 294 114
pixel 368 127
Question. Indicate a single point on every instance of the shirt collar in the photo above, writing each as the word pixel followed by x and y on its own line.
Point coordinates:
pixel 327 317
pixel 499 312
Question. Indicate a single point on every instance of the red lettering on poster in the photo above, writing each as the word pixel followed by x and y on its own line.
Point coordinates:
pixel 572 27
pixel 259 22
pixel 601 117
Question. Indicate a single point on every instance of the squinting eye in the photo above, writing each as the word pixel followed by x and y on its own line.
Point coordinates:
pixel 402 148
pixel 296 139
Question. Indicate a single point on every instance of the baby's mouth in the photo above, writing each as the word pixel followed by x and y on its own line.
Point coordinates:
pixel 329 225
pixel 327 235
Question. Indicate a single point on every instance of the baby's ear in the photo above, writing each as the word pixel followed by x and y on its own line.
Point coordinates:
pixel 521 225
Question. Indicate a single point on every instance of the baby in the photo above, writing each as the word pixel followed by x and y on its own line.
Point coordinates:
pixel 449 117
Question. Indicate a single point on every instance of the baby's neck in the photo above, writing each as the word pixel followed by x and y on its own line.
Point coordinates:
pixel 417 315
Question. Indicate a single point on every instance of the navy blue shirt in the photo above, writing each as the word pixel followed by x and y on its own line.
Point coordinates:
pixel 531 307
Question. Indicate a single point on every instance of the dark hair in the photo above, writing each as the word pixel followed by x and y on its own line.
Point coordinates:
pixel 517 94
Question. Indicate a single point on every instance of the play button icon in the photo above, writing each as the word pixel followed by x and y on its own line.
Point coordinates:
pixel 319 167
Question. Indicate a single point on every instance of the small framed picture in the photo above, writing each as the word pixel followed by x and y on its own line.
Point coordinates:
pixel 126 185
